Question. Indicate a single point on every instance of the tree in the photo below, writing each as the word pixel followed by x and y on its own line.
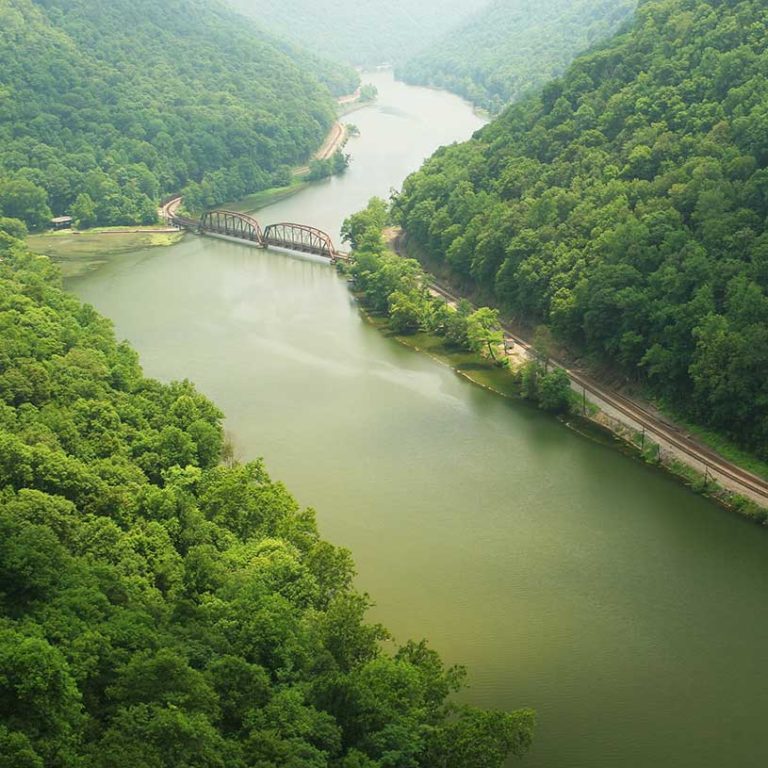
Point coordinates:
pixel 617 210
pixel 16 751
pixel 84 211
pixel 365 224
pixel 15 228
pixel 543 344
pixel 21 199
pixel 484 330
pixel 478 739
pixel 456 325
pixel 554 391
pixel 368 92
pixel 39 698
pixel 405 311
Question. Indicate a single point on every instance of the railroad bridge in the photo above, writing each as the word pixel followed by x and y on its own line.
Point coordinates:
pixel 293 237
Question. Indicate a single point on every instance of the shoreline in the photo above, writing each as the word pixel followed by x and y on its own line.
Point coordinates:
pixel 79 251
pixel 656 442
pixel 595 425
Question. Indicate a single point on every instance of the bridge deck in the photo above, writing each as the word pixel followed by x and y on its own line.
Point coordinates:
pixel 290 236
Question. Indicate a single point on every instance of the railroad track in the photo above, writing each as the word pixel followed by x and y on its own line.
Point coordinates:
pixel 168 207
pixel 668 433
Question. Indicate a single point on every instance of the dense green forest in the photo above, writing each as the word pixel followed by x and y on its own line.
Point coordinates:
pixel 363 32
pixel 512 46
pixel 625 205
pixel 105 105
pixel 162 609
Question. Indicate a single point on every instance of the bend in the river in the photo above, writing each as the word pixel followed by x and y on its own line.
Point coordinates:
pixel 629 612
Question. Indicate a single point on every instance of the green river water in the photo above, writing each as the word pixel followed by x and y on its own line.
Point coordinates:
pixel 567 577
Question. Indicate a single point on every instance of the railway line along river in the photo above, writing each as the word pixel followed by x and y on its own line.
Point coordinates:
pixel 567 577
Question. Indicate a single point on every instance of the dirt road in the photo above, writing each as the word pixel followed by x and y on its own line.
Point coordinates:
pixel 333 141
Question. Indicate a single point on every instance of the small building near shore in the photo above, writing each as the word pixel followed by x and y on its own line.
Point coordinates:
pixel 61 222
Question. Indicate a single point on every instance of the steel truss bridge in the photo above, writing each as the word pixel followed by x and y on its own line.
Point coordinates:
pixel 293 237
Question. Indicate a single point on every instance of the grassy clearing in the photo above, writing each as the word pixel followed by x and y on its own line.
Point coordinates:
pixel 266 197
pixel 77 253
pixel 472 366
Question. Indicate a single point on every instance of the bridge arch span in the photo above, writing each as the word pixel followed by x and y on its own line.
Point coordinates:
pixel 300 237
pixel 293 237
pixel 233 224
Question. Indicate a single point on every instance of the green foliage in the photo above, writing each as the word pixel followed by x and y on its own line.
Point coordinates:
pixel 399 288
pixel 159 609
pixel 14 228
pixel 554 391
pixel 391 285
pixel 484 331
pixel 508 48
pixel 625 206
pixel 21 199
pixel 368 92
pixel 500 732
pixel 107 105
pixel 334 165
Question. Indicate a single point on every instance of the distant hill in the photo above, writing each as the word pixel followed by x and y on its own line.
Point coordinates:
pixel 511 46
pixel 107 104
pixel 626 206
pixel 362 32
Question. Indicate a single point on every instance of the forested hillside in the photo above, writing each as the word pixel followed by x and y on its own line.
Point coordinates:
pixel 107 104
pixel 512 46
pixel 158 608
pixel 363 32
pixel 625 205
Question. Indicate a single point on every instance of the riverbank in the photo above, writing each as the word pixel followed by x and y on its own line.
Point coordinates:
pixel 334 141
pixel 78 252
pixel 550 564
pixel 655 437
pixel 588 419
pixel 258 200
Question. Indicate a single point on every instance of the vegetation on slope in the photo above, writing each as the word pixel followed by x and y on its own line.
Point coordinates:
pixel 626 205
pixel 399 289
pixel 158 608
pixel 509 48
pixel 105 105
pixel 363 32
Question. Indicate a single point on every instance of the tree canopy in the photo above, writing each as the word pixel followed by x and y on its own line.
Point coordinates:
pixel 162 609
pixel 105 105
pixel 625 206
pixel 512 46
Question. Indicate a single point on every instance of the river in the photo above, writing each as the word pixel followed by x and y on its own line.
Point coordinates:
pixel 567 577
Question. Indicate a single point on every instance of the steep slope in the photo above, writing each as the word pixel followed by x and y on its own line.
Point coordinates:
pixel 363 32
pixel 106 105
pixel 513 46
pixel 626 205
